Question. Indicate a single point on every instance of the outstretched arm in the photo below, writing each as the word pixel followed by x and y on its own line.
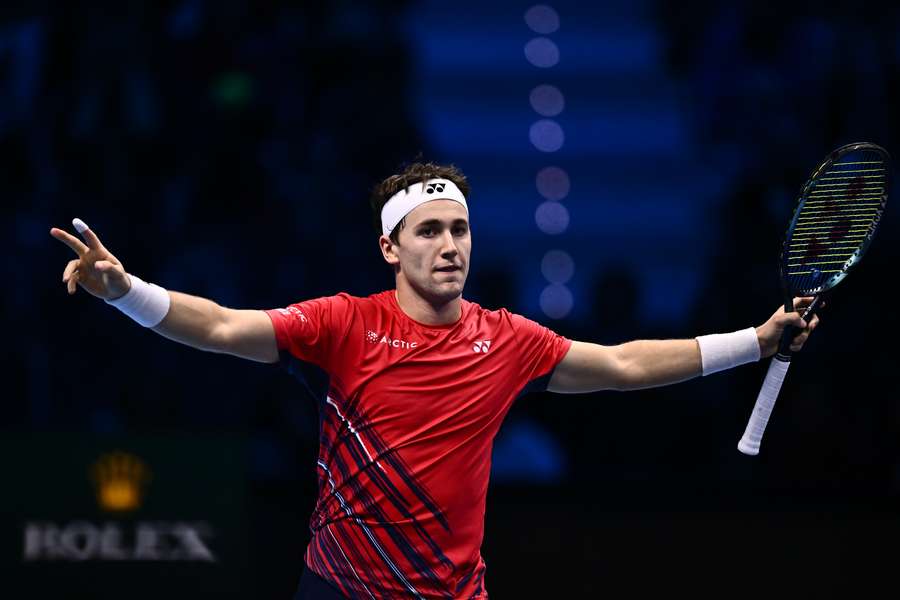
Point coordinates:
pixel 635 365
pixel 652 363
pixel 191 320
pixel 205 325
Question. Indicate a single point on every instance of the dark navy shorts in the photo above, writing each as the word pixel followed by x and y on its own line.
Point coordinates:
pixel 313 587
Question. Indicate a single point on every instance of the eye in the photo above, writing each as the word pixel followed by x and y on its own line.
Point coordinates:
pixel 460 230
pixel 426 231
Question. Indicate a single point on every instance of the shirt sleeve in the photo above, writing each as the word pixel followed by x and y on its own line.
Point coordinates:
pixel 540 348
pixel 307 330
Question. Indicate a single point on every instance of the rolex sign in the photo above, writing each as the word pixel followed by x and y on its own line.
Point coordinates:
pixel 125 517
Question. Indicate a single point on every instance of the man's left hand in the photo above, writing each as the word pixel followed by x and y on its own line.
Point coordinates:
pixel 769 333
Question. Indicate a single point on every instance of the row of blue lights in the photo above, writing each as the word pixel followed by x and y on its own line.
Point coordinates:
pixel 546 135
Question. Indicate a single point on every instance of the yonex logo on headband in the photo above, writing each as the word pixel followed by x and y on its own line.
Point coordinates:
pixel 406 200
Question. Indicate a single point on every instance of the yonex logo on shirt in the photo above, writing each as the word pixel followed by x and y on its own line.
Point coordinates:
pixel 374 338
pixel 481 346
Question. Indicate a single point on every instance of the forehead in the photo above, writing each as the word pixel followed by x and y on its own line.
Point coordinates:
pixel 442 210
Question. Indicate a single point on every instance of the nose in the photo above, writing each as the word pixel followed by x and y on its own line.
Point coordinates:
pixel 448 246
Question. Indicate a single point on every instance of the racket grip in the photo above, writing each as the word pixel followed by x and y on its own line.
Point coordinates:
pixel 765 402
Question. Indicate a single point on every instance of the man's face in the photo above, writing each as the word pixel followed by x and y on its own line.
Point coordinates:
pixel 434 250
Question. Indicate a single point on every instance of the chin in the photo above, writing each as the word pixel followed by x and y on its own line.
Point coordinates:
pixel 447 291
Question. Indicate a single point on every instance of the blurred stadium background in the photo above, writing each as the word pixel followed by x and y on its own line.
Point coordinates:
pixel 633 165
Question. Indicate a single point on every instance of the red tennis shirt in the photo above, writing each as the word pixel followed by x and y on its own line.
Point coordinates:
pixel 407 417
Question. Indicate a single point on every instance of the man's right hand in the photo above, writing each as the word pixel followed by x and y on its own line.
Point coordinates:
pixel 95 269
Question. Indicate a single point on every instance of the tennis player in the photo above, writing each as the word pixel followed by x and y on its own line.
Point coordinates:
pixel 412 385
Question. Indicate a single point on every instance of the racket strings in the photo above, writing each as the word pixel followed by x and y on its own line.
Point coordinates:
pixel 843 202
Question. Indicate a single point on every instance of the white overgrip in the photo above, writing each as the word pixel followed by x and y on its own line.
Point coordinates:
pixel 765 402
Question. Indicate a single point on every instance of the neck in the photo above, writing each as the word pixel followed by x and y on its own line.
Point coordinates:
pixel 419 309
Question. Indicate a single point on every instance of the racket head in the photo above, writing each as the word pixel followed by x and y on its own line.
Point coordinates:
pixel 838 211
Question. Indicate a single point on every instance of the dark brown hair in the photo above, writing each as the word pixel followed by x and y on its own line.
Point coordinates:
pixel 412 174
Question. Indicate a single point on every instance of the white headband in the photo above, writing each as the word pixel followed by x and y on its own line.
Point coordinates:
pixel 403 202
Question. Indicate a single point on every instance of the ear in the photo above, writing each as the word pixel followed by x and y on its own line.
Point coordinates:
pixel 387 250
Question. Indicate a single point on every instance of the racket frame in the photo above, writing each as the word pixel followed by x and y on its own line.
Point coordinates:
pixel 752 437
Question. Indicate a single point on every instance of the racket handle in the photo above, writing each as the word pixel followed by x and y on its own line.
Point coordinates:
pixel 765 402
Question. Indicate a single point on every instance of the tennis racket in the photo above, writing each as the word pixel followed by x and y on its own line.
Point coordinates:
pixel 837 213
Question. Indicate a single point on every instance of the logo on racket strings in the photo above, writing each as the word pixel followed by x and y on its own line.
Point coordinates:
pixel 818 246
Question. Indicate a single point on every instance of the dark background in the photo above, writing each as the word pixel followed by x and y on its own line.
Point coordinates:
pixel 226 149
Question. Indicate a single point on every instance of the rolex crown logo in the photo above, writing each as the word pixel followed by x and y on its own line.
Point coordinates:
pixel 119 479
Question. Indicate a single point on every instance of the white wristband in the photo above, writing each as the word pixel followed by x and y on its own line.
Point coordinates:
pixel 146 303
pixel 720 351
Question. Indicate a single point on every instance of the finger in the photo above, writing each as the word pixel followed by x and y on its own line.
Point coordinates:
pixel 71 285
pixel 803 301
pixel 795 320
pixel 73 264
pixel 69 240
pixel 800 339
pixel 89 236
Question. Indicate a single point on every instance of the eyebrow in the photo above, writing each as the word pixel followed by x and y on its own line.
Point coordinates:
pixel 434 222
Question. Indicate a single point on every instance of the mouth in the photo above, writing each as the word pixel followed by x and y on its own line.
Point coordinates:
pixel 448 269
